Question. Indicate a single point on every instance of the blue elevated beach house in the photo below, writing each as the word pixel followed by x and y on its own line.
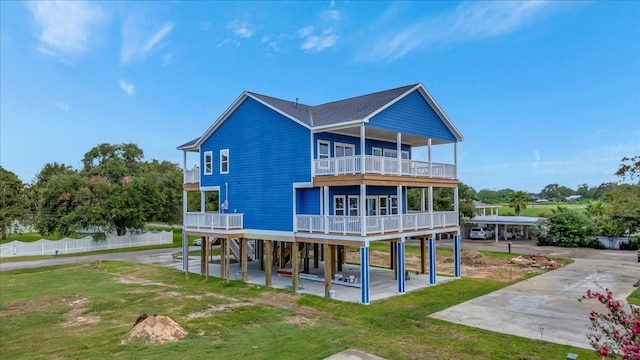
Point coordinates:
pixel 299 184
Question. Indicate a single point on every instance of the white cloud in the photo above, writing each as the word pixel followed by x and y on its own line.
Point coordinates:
pixel 469 21
pixel 242 29
pixel 65 27
pixel 127 87
pixel 137 46
pixel 61 106
pixel 316 38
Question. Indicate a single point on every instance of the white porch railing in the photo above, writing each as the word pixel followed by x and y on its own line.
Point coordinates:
pixel 213 221
pixel 375 224
pixel 192 176
pixel 383 166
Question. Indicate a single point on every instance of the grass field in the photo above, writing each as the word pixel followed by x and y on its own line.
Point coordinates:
pixel 240 321
pixel 539 209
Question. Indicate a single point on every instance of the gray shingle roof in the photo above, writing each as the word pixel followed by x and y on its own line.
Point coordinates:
pixel 355 108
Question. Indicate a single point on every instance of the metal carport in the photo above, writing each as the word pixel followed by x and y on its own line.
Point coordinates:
pixel 505 220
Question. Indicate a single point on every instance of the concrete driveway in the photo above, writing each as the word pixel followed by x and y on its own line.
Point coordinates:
pixel 546 307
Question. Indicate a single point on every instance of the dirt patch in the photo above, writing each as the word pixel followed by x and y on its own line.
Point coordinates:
pixel 137 281
pixel 76 315
pixel 474 264
pixel 301 321
pixel 215 308
pixel 157 329
pixel 22 307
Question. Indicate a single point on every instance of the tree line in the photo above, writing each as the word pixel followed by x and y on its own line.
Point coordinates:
pixel 115 190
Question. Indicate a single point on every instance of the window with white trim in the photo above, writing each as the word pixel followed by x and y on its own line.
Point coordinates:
pixel 338 205
pixel 224 161
pixel 354 208
pixel 323 149
pixel 394 205
pixel 344 150
pixel 392 153
pixel 208 162
pixel 376 151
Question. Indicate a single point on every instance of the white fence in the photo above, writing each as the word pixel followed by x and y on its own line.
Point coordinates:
pixel 68 246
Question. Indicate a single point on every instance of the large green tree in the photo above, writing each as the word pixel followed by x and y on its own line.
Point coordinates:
pixel 518 201
pixel 115 190
pixel 167 178
pixel 12 201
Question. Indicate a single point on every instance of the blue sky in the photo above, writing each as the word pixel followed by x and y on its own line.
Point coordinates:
pixel 543 92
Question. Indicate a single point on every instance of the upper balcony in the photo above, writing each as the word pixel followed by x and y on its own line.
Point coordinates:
pixel 213 222
pixel 382 166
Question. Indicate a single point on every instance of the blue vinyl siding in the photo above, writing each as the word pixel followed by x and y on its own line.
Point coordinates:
pixel 344 139
pixel 268 152
pixel 308 201
pixel 412 115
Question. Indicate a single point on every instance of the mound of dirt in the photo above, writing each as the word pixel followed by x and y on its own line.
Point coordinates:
pixel 536 260
pixel 157 329
pixel 476 258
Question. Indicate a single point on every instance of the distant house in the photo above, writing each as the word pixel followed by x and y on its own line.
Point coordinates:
pixel 300 179
pixel 573 197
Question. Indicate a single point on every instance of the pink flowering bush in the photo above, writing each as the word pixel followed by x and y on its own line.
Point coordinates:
pixel 616 332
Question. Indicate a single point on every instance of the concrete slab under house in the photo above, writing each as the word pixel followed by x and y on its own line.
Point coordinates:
pixel 296 186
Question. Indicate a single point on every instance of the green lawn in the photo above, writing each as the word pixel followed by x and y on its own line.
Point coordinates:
pixel 539 209
pixel 244 321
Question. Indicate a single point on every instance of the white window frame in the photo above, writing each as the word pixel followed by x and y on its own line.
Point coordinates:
pixel 405 155
pixel 345 146
pixel 356 209
pixel 376 210
pixel 208 154
pixel 224 153
pixel 393 153
pixel 378 149
pixel 323 159
pixel 393 209
pixel 344 205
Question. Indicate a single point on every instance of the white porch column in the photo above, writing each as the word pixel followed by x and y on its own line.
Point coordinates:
pixel 325 210
pixel 456 205
pixel 430 167
pixel 362 148
pixel 185 238
pixel 400 206
pixel 431 204
pixel 422 200
pixel 364 274
pixel 497 232
pixel 363 218
pixel 295 212
pixel 399 149
pixel 203 202
pixel 400 265
pixel 455 160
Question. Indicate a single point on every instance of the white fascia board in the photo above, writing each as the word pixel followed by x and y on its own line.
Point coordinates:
pixel 338 126
pixel 302 185
pixel 278 111
pixel 381 109
pixel 441 113
pixel 221 119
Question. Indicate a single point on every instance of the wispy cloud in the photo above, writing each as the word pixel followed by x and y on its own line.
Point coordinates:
pixel 470 21
pixel 127 87
pixel 61 106
pixel 324 35
pixel 167 60
pixel 138 44
pixel 64 28
pixel 242 29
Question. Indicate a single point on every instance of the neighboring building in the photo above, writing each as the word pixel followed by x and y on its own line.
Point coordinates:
pixel 573 197
pixel 323 177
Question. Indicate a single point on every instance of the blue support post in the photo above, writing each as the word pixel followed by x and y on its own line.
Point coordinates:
pixel 400 266
pixel 364 275
pixel 432 261
pixel 457 269
pixel 185 250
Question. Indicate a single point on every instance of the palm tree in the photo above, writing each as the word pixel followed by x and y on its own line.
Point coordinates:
pixel 518 201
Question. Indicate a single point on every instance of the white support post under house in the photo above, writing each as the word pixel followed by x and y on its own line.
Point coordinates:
pixel 185 238
pixel 295 211
pixel 422 200
pixel 203 201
